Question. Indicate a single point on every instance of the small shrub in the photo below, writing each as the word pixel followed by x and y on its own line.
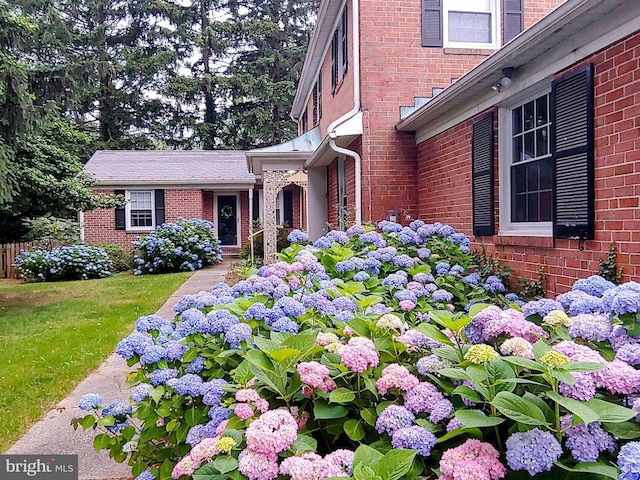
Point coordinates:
pixel 75 262
pixel 122 259
pixel 186 245
pixel 609 267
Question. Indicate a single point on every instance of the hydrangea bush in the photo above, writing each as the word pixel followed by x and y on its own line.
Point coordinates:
pixel 74 262
pixel 186 245
pixel 379 355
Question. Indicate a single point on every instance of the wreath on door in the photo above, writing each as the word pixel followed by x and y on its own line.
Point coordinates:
pixel 226 211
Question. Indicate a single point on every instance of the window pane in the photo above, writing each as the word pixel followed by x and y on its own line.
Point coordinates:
pixel 542 142
pixel 528 116
pixel 140 200
pixel 517 150
pixel 546 206
pixel 542 117
pixel 528 146
pixel 516 116
pixel 141 218
pixel 469 5
pixel 470 27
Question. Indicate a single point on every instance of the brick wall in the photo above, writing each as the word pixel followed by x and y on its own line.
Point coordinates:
pixel 395 69
pixel 444 173
pixel 99 225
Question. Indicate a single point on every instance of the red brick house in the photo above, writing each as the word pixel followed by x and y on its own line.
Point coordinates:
pixel 442 110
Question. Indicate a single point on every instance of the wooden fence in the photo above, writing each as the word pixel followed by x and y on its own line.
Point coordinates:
pixel 9 252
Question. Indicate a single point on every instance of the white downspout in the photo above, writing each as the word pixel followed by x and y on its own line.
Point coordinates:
pixel 356 109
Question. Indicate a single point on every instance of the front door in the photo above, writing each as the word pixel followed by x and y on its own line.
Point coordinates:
pixel 227 217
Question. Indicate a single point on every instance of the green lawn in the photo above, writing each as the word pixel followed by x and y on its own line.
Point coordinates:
pixel 53 334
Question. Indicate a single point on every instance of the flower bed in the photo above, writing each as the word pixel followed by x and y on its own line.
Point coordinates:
pixel 381 356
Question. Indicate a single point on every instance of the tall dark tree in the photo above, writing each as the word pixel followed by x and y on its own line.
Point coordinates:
pixel 270 41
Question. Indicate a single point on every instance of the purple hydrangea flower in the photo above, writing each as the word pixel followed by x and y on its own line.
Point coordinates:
pixel 162 376
pixel 212 391
pixel 629 461
pixel 285 324
pixel 540 307
pixel 416 438
pixel 236 333
pixel 218 415
pixel 629 353
pixel 534 451
pixel 441 295
pixel 189 384
pixel 594 285
pixel 442 268
pixel 587 441
pixel 146 476
pixel 393 418
pixel 590 327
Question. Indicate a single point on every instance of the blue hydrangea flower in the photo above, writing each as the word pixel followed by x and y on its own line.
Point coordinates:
pixel 471 279
pixel 162 376
pixel 355 230
pixel 378 309
pixel 197 433
pixel 140 392
pixel 134 344
pixel 189 384
pixel 174 350
pixel 323 243
pixel 212 391
pixel 494 284
pixel 146 476
pixel 424 278
pixel 403 261
pixel 456 270
pixel 389 227
pixel 361 276
pixel 441 295
pixel 196 365
pixel 290 307
pixel 153 354
pixel 239 332
pixel 594 285
pixel 372 237
pixel 540 307
pixel 401 295
pixel 117 409
pixel 408 236
pixel 219 321
pixel 297 236
pixel 441 410
pixel 285 324
pixel 629 461
pixel 395 280
pixel 424 253
pixel 442 268
pixel 534 451
pixel 416 438
pixel 218 415
pixel 345 266
pixel 629 353
pixel 90 401
pixel 622 299
pixel 152 322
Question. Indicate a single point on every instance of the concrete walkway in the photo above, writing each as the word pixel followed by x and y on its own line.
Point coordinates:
pixel 53 434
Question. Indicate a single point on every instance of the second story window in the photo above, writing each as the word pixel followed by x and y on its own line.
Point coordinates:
pixel 304 123
pixel 464 23
pixel 317 100
pixel 339 52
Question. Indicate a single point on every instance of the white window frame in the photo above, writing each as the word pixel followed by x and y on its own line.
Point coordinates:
pixel 279 207
pixel 467 6
pixel 127 211
pixel 505 149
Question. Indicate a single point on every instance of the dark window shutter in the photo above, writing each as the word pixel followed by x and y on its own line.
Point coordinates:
pixel 482 175
pixel 572 148
pixel 288 207
pixel 256 203
pixel 513 18
pixel 343 43
pixel 431 23
pixel 159 194
pixel 121 223
pixel 334 62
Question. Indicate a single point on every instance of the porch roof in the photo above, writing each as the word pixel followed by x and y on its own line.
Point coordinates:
pixel 185 168
pixel 289 155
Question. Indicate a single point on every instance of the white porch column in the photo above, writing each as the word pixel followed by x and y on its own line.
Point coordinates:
pixel 317 214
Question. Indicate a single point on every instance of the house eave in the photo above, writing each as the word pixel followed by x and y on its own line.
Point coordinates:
pixel 567 19
pixel 203 183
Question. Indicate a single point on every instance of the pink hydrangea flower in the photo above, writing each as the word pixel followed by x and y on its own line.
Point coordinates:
pixel 273 432
pixel 407 305
pixel 513 323
pixel 258 466
pixel 205 450
pixel 247 395
pixel 184 468
pixel 359 354
pixel 518 347
pixel 473 460
pixel 315 375
pixel 222 427
pixel 243 411
pixel 396 376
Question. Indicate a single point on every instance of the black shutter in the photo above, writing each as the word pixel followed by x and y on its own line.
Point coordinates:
pixel 343 43
pixel 288 207
pixel 513 18
pixel 572 148
pixel 121 223
pixel 256 203
pixel 431 23
pixel 482 175
pixel 334 62
pixel 159 207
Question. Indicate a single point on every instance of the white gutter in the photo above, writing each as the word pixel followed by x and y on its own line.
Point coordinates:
pixel 354 111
